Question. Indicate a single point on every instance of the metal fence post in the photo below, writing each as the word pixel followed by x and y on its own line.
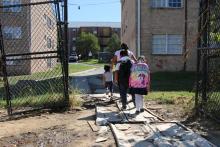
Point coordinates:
pixel 4 70
pixel 66 54
pixel 197 82
pixel 204 80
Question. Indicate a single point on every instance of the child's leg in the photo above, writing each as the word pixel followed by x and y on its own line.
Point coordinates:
pixel 133 98
pixel 111 87
pixel 138 102
pixel 123 94
pixel 141 101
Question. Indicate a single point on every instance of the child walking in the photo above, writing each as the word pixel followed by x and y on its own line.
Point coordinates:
pixel 139 82
pixel 108 80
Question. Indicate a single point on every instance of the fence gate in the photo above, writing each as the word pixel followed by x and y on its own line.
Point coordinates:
pixel 34 66
pixel 208 68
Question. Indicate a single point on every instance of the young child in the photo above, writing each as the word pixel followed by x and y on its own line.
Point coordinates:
pixel 108 80
pixel 139 82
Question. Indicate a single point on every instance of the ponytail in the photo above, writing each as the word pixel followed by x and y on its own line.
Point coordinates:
pixel 124 46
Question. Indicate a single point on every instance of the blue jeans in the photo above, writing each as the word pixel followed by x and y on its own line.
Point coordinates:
pixel 123 94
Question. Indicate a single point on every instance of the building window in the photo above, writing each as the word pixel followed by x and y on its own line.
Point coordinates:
pixel 166 3
pixel 48 21
pixel 49 42
pixel 49 62
pixel 13 60
pixel 11 2
pixel 12 32
pixel 167 44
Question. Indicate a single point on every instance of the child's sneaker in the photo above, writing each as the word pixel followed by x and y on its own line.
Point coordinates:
pixel 137 112
pixel 107 91
pixel 142 110
pixel 123 108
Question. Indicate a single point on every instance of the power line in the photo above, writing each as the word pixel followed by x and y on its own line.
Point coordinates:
pixel 112 2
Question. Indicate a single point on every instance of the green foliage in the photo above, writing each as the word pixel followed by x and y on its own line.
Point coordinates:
pixel 113 43
pixel 87 42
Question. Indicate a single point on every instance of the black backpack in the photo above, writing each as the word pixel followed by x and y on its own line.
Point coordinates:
pixel 124 72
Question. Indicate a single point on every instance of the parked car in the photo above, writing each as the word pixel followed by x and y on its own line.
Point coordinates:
pixel 73 57
pixel 105 57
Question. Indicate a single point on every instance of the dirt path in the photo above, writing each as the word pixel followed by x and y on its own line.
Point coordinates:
pixel 70 129
pixel 52 130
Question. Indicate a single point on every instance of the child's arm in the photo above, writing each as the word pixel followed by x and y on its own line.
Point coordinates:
pixel 116 73
pixel 103 79
pixel 116 77
pixel 114 61
pixel 149 83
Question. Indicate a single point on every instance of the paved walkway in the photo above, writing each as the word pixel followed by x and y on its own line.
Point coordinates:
pixel 89 81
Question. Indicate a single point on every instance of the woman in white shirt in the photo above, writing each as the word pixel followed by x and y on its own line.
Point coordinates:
pixel 117 56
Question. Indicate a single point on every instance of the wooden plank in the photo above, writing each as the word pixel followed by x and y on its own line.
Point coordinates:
pixel 93 126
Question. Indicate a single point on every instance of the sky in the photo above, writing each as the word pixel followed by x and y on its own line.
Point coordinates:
pixel 94 10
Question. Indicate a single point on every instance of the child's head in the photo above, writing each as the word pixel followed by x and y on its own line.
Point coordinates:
pixel 124 53
pixel 142 59
pixel 107 68
pixel 124 46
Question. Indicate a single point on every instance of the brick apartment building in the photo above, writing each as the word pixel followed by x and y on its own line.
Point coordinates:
pixel 157 29
pixel 102 30
pixel 28 29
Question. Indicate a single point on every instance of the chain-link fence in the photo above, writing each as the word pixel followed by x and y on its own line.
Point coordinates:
pixel 208 82
pixel 34 63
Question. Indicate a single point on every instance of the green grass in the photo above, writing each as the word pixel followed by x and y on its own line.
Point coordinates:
pixel 48 99
pixel 44 93
pixel 94 62
pixel 35 101
pixel 73 68
pixel 54 72
pixel 170 97
pixel 172 87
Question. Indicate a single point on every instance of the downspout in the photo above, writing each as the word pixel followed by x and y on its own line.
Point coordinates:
pixel 139 29
pixel 185 35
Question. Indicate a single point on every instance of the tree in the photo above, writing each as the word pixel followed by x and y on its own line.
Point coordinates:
pixel 87 43
pixel 113 43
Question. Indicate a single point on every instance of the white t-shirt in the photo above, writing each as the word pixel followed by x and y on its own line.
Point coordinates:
pixel 122 59
pixel 117 53
pixel 108 76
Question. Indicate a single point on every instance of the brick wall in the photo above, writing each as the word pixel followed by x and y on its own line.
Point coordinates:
pixel 162 21
pixel 128 23
pixel 41 32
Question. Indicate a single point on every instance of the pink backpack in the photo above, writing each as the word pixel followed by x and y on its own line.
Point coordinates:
pixel 140 76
